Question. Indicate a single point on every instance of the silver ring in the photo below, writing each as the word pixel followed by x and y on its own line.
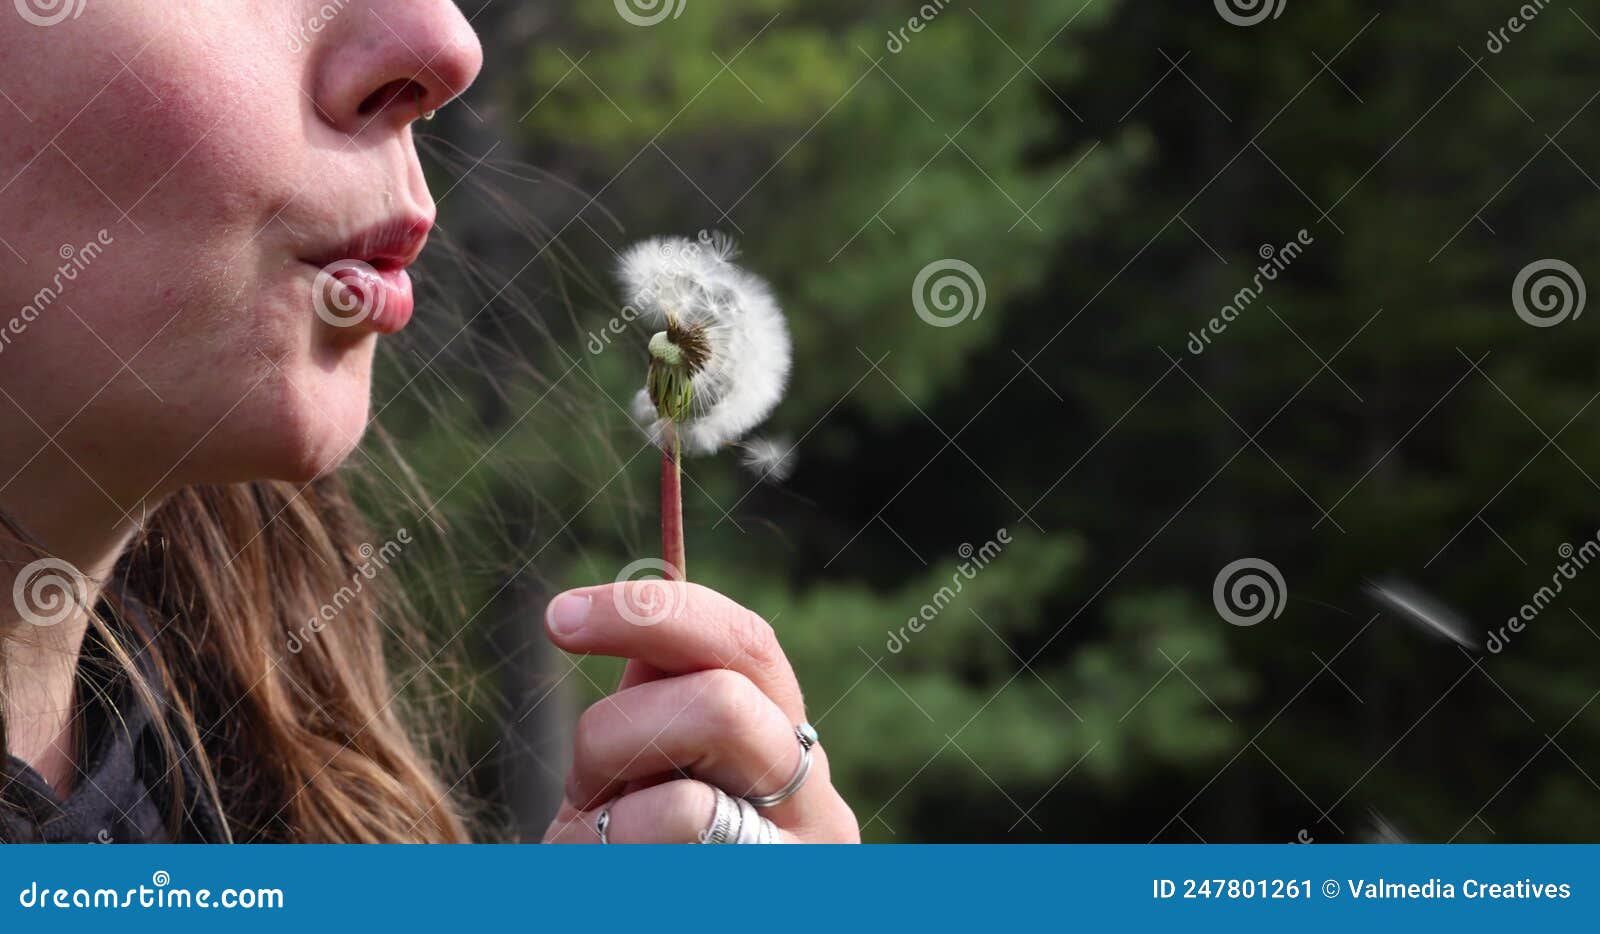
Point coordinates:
pixel 753 828
pixel 602 823
pixel 750 829
pixel 722 828
pixel 807 735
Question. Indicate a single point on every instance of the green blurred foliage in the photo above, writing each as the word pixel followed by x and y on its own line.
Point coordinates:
pixel 1111 169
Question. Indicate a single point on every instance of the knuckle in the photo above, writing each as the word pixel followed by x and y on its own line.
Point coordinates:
pixel 730 702
pixel 688 810
pixel 756 640
pixel 744 633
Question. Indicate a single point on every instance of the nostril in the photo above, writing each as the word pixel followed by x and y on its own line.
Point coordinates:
pixel 398 91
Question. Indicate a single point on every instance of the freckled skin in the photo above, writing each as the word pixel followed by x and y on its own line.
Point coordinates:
pixel 214 154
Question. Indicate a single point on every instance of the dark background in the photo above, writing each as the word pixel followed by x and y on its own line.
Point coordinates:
pixel 1111 170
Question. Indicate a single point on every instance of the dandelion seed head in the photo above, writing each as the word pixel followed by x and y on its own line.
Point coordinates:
pixel 730 320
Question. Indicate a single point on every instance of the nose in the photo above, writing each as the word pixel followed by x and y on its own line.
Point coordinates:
pixel 383 63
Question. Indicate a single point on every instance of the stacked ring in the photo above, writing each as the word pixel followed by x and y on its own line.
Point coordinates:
pixel 722 828
pixel 734 820
pixel 750 829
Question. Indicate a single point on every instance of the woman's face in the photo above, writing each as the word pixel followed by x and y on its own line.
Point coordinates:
pixel 173 176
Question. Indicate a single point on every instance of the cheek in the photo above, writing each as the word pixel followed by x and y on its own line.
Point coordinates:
pixel 191 331
pixel 187 320
pixel 190 156
pixel 165 144
pixel 149 135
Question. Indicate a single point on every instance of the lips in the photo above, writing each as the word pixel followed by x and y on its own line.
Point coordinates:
pixel 362 283
pixel 354 294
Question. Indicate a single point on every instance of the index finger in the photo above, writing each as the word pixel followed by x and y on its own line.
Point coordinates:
pixel 677 628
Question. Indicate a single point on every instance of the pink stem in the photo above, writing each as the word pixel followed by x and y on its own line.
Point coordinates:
pixel 672 513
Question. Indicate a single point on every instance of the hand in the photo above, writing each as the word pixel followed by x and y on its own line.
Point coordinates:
pixel 707 693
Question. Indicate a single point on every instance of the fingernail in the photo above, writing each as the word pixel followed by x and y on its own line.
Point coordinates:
pixel 567 613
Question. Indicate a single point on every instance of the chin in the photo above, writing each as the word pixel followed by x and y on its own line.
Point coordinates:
pixel 309 420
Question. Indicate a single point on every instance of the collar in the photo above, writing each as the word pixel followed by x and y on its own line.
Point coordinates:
pixel 123 791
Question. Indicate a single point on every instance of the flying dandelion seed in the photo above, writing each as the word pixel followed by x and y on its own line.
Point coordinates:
pixel 1423 611
pixel 770 459
pixel 1382 831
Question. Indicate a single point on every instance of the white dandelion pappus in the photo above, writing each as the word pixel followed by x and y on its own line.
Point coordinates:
pixel 693 288
pixel 1414 605
pixel 770 459
pixel 1382 830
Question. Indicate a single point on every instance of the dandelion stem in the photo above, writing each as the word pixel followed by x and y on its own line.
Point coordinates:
pixel 672 510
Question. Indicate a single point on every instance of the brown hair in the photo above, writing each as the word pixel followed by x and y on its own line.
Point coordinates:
pixel 287 713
